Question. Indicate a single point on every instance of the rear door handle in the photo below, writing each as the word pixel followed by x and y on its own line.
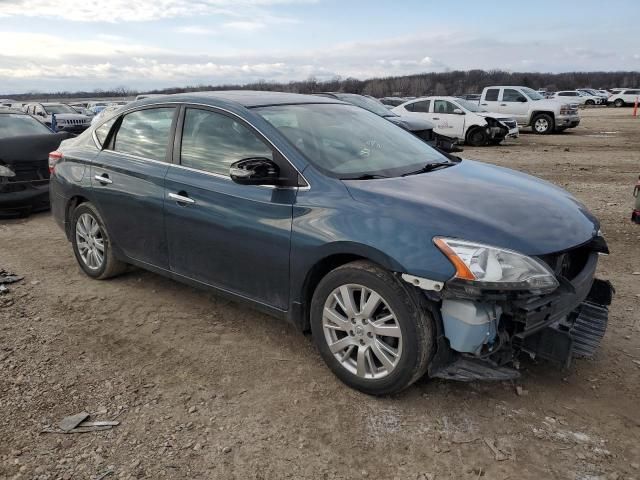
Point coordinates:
pixel 104 179
pixel 435 118
pixel 181 198
pixel 485 104
pixel 503 104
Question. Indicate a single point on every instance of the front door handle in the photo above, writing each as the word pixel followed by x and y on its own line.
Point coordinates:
pixel 103 179
pixel 181 198
pixel 503 104
pixel 435 118
pixel 485 104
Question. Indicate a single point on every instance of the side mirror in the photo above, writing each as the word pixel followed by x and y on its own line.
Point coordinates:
pixel 522 99
pixel 458 111
pixel 255 171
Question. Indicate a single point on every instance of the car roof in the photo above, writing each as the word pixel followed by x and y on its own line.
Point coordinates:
pixel 245 98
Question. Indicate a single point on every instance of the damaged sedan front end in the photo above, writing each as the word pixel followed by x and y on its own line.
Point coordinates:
pixel 502 305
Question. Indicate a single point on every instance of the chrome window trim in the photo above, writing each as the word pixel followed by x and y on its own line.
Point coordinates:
pixel 212 107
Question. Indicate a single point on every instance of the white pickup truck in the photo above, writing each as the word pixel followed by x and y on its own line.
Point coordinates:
pixel 530 109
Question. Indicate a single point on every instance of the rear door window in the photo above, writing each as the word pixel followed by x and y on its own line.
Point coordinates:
pixel 211 142
pixel 492 95
pixel 421 106
pixel 145 133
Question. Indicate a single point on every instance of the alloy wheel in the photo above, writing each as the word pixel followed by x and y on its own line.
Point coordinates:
pixel 541 125
pixel 90 241
pixel 362 331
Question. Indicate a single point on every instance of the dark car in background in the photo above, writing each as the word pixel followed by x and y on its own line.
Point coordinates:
pixel 420 128
pixel 399 260
pixel 25 144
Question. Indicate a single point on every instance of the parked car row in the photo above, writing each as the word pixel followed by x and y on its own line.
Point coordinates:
pixel 399 259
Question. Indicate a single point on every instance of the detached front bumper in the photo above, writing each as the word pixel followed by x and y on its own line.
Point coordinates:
pixel 558 326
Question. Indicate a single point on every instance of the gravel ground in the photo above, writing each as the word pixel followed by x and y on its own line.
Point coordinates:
pixel 205 388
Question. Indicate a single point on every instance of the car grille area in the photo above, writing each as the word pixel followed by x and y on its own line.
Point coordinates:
pixel 588 329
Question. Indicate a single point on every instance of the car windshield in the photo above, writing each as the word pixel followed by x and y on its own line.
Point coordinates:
pixel 348 142
pixel 467 105
pixel 532 94
pixel 366 103
pixel 17 125
pixel 58 108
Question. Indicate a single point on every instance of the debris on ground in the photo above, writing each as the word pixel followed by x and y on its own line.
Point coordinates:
pixel 79 423
pixel 498 453
pixel 7 277
pixel 520 391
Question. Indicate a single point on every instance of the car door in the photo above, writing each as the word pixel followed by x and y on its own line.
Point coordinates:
pixel 515 104
pixel 231 236
pixel 489 102
pixel 127 179
pixel 630 96
pixel 445 121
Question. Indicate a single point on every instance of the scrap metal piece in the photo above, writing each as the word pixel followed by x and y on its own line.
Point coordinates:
pixel 72 421
pixel 469 370
pixel 423 283
pixel 7 277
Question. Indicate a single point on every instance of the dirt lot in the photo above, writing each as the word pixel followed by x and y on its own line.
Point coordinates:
pixel 205 388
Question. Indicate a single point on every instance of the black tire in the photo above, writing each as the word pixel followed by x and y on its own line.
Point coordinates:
pixel 589 102
pixel 542 124
pixel 416 327
pixel 619 103
pixel 477 137
pixel 110 266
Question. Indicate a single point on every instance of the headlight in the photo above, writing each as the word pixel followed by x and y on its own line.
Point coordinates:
pixel 496 268
pixel 6 172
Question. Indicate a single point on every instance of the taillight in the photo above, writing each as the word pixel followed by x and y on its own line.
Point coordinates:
pixel 54 157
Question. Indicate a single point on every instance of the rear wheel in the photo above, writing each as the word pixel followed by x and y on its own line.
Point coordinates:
pixel 92 245
pixel 543 124
pixel 368 329
pixel 619 103
pixel 477 137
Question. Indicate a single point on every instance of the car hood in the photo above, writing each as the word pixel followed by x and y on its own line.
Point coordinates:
pixel 497 116
pixel 483 203
pixel 410 123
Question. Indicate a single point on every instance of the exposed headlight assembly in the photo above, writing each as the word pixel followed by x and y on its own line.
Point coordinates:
pixel 496 268
pixel 6 172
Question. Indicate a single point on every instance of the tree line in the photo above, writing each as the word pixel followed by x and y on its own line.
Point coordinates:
pixel 443 83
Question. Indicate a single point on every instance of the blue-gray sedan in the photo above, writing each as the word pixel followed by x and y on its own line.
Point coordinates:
pixel 399 259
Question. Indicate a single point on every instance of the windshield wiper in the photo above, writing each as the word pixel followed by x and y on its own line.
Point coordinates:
pixel 429 167
pixel 366 176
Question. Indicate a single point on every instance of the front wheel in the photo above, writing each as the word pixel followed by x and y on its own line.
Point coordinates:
pixel 543 124
pixel 619 103
pixel 477 137
pixel 92 245
pixel 369 330
pixel 590 102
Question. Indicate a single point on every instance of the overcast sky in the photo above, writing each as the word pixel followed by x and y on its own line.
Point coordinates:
pixel 142 44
